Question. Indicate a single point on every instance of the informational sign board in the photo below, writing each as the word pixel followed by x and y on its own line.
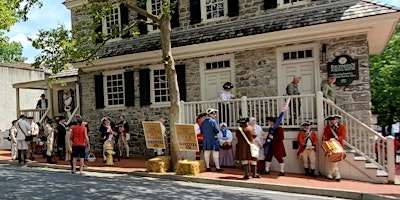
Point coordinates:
pixel 187 137
pixel 153 135
pixel 344 69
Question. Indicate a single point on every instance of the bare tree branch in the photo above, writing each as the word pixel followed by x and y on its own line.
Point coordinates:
pixel 132 5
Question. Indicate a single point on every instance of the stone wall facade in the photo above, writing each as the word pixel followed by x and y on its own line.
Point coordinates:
pixel 255 76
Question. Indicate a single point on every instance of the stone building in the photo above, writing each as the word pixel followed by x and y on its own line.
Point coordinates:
pixel 257 45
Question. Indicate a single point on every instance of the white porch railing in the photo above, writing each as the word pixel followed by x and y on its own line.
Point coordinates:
pixel 37 114
pixel 365 141
pixel 361 138
pixel 260 108
pixel 73 115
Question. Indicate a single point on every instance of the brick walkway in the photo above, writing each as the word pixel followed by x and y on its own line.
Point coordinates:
pixel 138 165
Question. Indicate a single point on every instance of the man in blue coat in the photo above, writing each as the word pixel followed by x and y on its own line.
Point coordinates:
pixel 209 127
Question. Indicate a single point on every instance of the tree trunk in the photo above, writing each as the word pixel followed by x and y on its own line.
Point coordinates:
pixel 169 65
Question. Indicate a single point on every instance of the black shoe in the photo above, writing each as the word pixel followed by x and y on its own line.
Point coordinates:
pixel 281 174
pixel 208 169
pixel 104 161
pixel 220 170
pixel 265 172
pixel 256 176
pixel 246 177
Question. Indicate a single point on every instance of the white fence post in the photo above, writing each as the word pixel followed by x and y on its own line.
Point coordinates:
pixel 390 158
pixel 319 107
pixel 244 107
pixel 182 112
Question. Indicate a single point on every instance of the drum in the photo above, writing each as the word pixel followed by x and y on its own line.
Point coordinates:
pixel 334 150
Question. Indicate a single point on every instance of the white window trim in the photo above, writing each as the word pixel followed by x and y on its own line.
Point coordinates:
pixel 204 12
pixel 282 5
pixel 203 70
pixel 279 57
pixel 149 21
pixel 104 24
pixel 109 73
pixel 152 96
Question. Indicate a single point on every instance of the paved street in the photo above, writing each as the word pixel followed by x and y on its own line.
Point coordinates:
pixel 40 183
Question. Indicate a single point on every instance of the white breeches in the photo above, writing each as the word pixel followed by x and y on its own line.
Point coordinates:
pixel 215 155
pixel 246 162
pixel 308 158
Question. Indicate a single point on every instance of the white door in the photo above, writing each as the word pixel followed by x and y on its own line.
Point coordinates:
pixel 305 70
pixel 214 81
pixel 306 85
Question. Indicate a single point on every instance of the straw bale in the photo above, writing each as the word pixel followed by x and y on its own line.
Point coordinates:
pixel 159 164
pixel 190 167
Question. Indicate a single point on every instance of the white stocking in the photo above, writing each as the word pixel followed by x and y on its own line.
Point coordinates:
pixel 207 154
pixel 216 159
pixel 267 165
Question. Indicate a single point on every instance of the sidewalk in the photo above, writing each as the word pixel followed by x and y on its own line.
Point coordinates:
pixel 294 183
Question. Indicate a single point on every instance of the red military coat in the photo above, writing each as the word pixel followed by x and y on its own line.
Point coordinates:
pixel 277 148
pixel 341 133
pixel 301 140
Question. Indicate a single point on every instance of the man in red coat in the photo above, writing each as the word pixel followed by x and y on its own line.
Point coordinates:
pixel 334 131
pixel 307 140
pixel 276 148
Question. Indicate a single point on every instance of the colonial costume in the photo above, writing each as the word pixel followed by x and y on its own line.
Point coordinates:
pixel 334 131
pixel 106 134
pixel 245 134
pixel 276 147
pixel 225 141
pixel 225 96
pixel 61 132
pixel 259 140
pixel 210 129
pixel 199 119
pixel 49 133
pixel 307 140
pixel 13 137
pixel 23 130
pixel 123 138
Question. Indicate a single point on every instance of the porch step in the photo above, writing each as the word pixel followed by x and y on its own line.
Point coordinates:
pixel 371 166
pixel 381 173
pixel 360 158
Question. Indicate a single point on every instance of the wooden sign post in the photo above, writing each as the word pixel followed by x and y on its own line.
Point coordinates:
pixel 153 135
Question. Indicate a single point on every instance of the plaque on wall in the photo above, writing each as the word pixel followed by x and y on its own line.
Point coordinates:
pixel 344 68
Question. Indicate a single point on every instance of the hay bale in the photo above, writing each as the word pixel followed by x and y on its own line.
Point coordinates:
pixel 190 167
pixel 159 164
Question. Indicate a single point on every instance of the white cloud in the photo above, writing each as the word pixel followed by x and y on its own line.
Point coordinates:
pixel 48 17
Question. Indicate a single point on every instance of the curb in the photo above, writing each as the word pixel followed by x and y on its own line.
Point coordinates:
pixel 234 183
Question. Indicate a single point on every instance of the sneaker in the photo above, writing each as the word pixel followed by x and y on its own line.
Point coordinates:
pixel 281 174
pixel 329 176
pixel 208 169
pixel 256 176
pixel 220 170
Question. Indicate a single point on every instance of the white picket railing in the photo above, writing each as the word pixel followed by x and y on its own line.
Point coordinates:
pixel 37 114
pixel 362 139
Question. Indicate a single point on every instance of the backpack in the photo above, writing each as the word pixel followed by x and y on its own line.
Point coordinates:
pixel 9 135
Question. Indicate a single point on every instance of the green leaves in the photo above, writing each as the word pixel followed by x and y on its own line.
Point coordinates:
pixel 385 84
pixel 11 52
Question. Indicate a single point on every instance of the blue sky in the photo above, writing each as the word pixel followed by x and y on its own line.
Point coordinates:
pixel 50 16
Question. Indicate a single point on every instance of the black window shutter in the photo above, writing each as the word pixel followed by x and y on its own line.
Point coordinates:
pixel 124 19
pixel 142 26
pixel 60 103
pixel 144 75
pixel 175 16
pixel 269 4
pixel 181 76
pixel 233 8
pixel 99 91
pixel 98 30
pixel 129 89
pixel 195 12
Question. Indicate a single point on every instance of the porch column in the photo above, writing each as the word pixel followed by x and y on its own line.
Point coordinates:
pixel 244 107
pixel 390 158
pixel 319 106
pixel 78 97
pixel 50 99
pixel 17 101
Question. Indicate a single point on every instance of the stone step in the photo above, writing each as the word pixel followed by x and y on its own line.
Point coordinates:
pixel 371 166
pixel 381 173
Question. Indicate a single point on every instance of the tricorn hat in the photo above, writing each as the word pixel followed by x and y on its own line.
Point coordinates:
pixel 228 85
pixel 243 120
pixel 211 111
pixel 331 117
pixel 307 123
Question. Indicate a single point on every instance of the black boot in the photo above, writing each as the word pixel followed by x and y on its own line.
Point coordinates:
pixel 307 171
pixel 19 156
pixel 312 173
pixel 25 156
pixel 255 175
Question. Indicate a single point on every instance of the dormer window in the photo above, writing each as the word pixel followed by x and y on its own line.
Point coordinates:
pixel 212 9
pixel 288 3
pixel 112 22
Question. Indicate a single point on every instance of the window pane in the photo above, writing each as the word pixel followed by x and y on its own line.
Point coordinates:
pixel 309 54
pixel 286 56
pixel 301 54
pixel 293 55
